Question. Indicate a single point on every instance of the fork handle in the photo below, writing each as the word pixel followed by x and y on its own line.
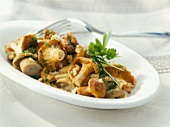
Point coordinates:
pixel 142 34
pixel 138 34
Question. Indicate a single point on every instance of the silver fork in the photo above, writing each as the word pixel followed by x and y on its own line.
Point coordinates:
pixel 161 63
pixel 70 23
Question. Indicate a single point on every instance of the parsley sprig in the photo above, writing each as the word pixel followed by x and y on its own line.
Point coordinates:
pixel 100 53
pixel 100 50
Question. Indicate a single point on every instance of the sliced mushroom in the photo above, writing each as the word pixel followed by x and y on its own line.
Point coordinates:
pixel 44 73
pixel 69 43
pixel 28 40
pixel 95 88
pixel 64 69
pixel 125 85
pixel 81 67
pixel 80 51
pixel 48 76
pixel 125 75
pixel 18 58
pixel 66 84
pixel 11 55
pixel 21 44
pixel 59 76
pixel 40 43
pixel 30 67
pixel 14 47
pixel 57 80
pixel 115 93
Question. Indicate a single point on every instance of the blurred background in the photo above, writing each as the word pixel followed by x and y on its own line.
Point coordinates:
pixel 17 8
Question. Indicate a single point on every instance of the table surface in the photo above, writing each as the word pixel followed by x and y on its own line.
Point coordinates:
pixel 22 107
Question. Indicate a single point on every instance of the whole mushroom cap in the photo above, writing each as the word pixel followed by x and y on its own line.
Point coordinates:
pixel 50 55
pixel 95 88
pixel 98 89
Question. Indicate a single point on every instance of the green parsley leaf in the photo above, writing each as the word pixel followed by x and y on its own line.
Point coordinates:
pixel 46 43
pixel 34 39
pixel 44 60
pixel 111 53
pixel 99 52
pixel 46 71
pixel 106 38
pixel 26 51
pixel 46 80
pixel 33 49
pixel 49 32
pixel 98 43
pixel 112 91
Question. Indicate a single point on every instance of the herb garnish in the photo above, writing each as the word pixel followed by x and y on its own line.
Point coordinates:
pixel 46 80
pixel 46 43
pixel 100 53
pixel 26 51
pixel 46 71
pixel 34 39
pixel 44 60
pixel 33 49
pixel 100 50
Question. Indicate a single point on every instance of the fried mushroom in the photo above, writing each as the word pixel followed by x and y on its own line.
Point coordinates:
pixel 79 69
pixel 18 58
pixel 80 51
pixel 20 44
pixel 48 34
pixel 30 67
pixel 95 88
pixel 65 84
pixel 69 43
pixel 125 74
pixel 115 93
pixel 50 55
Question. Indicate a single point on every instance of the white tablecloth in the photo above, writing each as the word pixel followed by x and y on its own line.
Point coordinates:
pixel 21 107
